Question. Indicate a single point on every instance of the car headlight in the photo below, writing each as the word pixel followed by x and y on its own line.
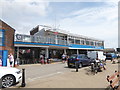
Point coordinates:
pixel 18 72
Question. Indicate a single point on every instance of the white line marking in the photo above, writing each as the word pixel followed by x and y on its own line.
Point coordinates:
pixel 33 79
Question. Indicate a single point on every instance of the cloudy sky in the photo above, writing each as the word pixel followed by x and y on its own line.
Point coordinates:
pixel 98 19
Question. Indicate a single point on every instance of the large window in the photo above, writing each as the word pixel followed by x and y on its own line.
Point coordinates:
pixel 77 41
pixel 1 38
pixel 82 42
pixel 87 42
pixel 91 43
pixel 71 40
pixel 27 38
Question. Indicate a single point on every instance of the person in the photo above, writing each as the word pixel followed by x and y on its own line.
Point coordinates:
pixel 11 58
pixel 0 61
pixel 42 59
pixel 101 65
pixel 64 57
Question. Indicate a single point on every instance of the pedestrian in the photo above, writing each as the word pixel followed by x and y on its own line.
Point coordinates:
pixel 42 59
pixel 0 61
pixel 11 58
pixel 48 61
pixel 64 57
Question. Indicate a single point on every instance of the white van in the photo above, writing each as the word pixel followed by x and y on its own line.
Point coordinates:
pixel 96 55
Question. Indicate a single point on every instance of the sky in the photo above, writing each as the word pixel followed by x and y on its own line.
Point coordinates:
pixel 93 18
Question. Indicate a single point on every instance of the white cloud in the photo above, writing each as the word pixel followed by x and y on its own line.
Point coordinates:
pixel 21 14
pixel 82 0
pixel 26 7
pixel 100 22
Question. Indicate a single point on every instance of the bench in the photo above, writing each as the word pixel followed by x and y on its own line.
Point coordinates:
pixel 114 80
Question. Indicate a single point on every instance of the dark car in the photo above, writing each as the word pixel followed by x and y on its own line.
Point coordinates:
pixel 110 56
pixel 82 59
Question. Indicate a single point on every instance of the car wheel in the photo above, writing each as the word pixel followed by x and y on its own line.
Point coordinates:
pixel 8 81
pixel 69 66
pixel 80 65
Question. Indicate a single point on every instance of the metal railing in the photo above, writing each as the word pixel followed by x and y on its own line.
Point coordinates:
pixel 39 39
pixel 48 39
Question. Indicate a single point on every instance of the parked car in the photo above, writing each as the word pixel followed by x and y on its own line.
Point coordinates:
pixel 81 58
pixel 9 76
pixel 110 56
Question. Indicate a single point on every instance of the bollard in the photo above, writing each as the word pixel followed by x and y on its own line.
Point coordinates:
pixel 23 78
pixel 77 66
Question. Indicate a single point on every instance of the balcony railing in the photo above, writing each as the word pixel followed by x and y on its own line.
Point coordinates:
pixel 39 39
pixel 53 40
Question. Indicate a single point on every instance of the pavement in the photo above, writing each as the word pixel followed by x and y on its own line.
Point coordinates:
pixel 62 77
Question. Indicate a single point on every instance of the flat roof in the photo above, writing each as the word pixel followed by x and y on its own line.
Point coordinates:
pixel 61 31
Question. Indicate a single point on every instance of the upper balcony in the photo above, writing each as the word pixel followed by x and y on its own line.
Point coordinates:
pixel 39 39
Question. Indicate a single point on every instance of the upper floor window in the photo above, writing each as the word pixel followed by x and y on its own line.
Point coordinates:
pixel 1 38
pixel 82 42
pixel 92 43
pixel 87 42
pixel 77 41
pixel 71 40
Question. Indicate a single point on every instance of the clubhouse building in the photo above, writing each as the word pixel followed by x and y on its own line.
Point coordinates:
pixel 47 41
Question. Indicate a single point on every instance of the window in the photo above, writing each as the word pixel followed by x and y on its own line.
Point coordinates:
pixel 77 41
pixel 100 44
pixel 73 56
pixel 96 44
pixel 27 38
pixel 87 42
pixel 92 43
pixel 82 42
pixel 71 40
pixel 1 38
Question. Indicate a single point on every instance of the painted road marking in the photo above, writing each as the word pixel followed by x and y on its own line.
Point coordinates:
pixel 33 79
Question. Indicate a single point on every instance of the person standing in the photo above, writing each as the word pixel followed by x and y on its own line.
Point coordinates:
pixel 42 59
pixel 11 58
pixel 0 61
pixel 64 58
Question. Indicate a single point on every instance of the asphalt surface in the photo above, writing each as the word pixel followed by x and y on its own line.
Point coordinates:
pixel 57 75
pixel 36 71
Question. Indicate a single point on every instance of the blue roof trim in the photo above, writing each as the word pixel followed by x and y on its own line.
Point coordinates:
pixel 40 44
pixel 85 46
pixel 2 30
pixel 71 46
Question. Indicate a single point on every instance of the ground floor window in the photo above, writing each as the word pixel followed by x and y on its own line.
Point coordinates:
pixel 55 53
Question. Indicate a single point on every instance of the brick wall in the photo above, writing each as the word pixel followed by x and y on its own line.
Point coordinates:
pixel 9 37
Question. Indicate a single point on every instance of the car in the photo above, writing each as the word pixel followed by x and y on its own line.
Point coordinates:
pixel 81 58
pixel 9 76
pixel 110 56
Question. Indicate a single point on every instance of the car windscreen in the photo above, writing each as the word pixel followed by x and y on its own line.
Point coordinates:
pixel 73 56
pixel 108 55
